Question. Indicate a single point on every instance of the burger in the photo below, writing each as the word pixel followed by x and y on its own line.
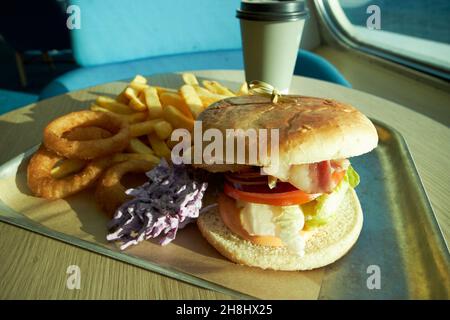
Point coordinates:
pixel 299 211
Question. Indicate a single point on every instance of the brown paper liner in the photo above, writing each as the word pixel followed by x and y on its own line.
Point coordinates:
pixel 79 217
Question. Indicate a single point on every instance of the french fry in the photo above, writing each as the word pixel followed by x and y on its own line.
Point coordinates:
pixel 122 98
pixel 205 92
pixel 143 128
pixel 137 146
pixel 121 157
pixel 130 118
pixel 171 143
pixel 159 146
pixel 135 102
pixel 174 99
pixel 113 105
pixel 190 79
pixel 207 101
pixel 66 168
pixel 141 97
pixel 153 103
pixel 208 97
pixel 135 117
pixel 138 87
pixel 216 87
pixel 163 129
pixel 95 107
pixel 162 90
pixel 191 99
pixel 139 79
pixel 243 90
pixel 176 118
pixel 170 98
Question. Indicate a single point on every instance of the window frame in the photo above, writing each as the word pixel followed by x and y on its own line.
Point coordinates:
pixel 336 26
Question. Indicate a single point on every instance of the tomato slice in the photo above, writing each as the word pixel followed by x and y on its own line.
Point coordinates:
pixel 271 198
pixel 337 176
pixel 284 194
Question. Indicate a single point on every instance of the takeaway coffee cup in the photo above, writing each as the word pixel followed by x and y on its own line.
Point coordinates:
pixel 271 33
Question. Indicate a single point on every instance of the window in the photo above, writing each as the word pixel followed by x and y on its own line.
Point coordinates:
pixel 412 32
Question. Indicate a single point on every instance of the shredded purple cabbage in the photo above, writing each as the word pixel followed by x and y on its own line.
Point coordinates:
pixel 167 202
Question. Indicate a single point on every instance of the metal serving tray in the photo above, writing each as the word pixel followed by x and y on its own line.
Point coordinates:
pixel 400 254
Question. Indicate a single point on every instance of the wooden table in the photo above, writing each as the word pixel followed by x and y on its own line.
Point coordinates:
pixel 34 266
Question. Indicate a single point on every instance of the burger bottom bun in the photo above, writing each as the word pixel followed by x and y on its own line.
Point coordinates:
pixel 324 245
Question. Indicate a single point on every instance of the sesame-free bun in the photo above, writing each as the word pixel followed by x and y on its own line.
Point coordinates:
pixel 310 129
pixel 324 245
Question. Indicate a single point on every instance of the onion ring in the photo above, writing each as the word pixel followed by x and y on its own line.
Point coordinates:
pixel 42 184
pixel 89 149
pixel 110 193
pixel 67 167
pixel 87 133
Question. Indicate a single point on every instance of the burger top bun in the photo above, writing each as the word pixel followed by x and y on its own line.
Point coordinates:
pixel 310 129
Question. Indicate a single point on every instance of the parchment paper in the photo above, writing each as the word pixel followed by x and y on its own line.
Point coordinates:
pixel 79 217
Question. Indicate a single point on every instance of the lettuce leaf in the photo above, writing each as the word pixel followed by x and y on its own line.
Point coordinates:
pixel 288 224
pixel 328 203
pixel 352 177
pixel 314 223
pixel 317 212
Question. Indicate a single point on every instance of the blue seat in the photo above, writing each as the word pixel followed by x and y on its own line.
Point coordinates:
pixel 10 100
pixel 308 64
pixel 119 39
pixel 314 66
